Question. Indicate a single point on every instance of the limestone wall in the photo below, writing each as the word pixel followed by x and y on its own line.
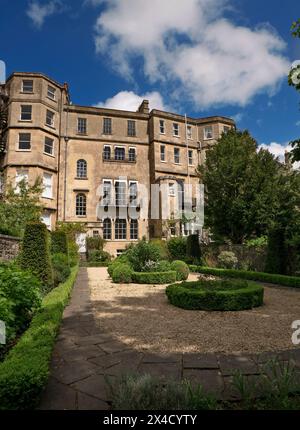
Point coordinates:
pixel 9 247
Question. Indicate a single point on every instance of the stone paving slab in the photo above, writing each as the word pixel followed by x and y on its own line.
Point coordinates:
pixel 85 356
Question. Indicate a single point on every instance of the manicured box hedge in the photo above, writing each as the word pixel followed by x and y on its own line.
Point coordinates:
pixel 287 281
pixel 154 277
pixel 24 372
pixel 222 295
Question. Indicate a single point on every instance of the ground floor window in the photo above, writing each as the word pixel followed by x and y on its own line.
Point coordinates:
pixel 134 229
pixel 107 229
pixel 120 229
pixel 46 219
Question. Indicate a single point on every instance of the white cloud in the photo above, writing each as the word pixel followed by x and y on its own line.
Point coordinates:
pixel 39 12
pixel 238 117
pixel 298 123
pixel 128 100
pixel 210 60
pixel 279 150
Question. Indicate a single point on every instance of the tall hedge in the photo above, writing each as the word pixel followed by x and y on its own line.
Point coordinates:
pixel 35 253
pixel 193 250
pixel 59 242
pixel 276 253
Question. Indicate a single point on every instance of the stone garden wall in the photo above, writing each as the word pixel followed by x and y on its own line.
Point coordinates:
pixel 9 247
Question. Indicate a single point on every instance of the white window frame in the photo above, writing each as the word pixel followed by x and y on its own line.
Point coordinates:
pixel 48 186
pixel 50 93
pixel 52 140
pixel 131 147
pixel 118 181
pixel 85 205
pixel 20 175
pixel 23 90
pixel 119 147
pixel 47 216
pixel 176 129
pixel 206 132
pixel 177 162
pixel 24 149
pixel 189 132
pixel 21 113
pixel 110 153
pixel 226 128
pixel 105 230
pixel 164 158
pixel 134 122
pixel 52 118
pixel 81 169
pixel 162 126
pixel 129 188
pixel 115 226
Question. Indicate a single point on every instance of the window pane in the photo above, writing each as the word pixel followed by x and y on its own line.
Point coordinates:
pixel 120 229
pixel 134 229
pixel 106 152
pixel 163 153
pixel 49 146
pixel 81 169
pixel 26 112
pixel 50 118
pixel 107 193
pixel 176 129
pixel 190 157
pixel 162 126
pixel 81 205
pixel 51 92
pixel 107 229
pixel 131 128
pixel 82 125
pixel 176 155
pixel 120 189
pixel 208 132
pixel 132 156
pixel 47 184
pixel 107 129
pixel 24 141
pixel 27 86
pixel 22 175
pixel 119 153
pixel 189 132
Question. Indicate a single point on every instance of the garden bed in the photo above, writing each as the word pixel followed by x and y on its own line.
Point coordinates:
pixel 219 295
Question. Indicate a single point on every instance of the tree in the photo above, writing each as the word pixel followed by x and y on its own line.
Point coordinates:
pixel 294 80
pixel 20 206
pixel 240 184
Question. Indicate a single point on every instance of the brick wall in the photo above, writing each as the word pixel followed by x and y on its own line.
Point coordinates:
pixel 9 247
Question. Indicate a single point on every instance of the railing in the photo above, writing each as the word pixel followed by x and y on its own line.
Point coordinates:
pixel 131 159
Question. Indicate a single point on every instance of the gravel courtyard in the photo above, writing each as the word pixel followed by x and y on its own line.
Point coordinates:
pixel 141 317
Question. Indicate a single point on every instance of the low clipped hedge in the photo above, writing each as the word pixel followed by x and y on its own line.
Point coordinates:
pixel 24 372
pixel 222 295
pixel 122 274
pixel 181 269
pixel 287 281
pixel 154 277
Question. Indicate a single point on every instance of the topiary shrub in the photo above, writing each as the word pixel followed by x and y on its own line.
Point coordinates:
pixel 59 242
pixel 99 256
pixel 177 247
pixel 142 252
pixel 227 260
pixel 154 277
pixel 181 269
pixel 193 250
pixel 35 254
pixel 163 266
pixel 221 295
pixel 61 268
pixel 122 274
pixel 119 260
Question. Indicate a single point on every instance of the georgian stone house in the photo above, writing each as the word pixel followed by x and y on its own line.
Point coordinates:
pixel 77 149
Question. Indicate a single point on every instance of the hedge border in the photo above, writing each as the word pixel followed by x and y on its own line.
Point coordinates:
pixel 283 280
pixel 24 373
pixel 186 295
pixel 154 277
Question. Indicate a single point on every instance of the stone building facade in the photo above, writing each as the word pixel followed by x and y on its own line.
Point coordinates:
pixel 93 159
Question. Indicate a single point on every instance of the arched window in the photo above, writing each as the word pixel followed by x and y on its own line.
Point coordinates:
pixel 81 169
pixel 120 229
pixel 134 228
pixel 107 229
pixel 81 205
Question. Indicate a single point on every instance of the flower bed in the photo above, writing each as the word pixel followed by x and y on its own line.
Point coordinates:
pixel 287 281
pixel 221 295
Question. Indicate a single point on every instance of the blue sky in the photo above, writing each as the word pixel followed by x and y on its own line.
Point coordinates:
pixel 200 57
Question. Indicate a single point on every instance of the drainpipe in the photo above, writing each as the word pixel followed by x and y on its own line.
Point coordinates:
pixel 66 138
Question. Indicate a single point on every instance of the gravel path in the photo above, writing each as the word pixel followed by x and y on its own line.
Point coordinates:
pixel 141 317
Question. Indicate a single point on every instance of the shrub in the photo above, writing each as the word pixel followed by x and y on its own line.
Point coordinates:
pixel 21 290
pixel 163 266
pixel 73 253
pixel 145 392
pixel 163 246
pixel 221 295
pixel 122 274
pixel 287 281
pixel 98 256
pixel 141 253
pixel 177 248
pixel 181 269
pixel 59 242
pixel 121 259
pixel 193 250
pixel 227 260
pixel 35 253
pixel 24 373
pixel 276 253
pixel 94 244
pixel 61 268
pixel 154 277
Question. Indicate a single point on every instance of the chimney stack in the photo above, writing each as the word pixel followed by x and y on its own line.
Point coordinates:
pixel 144 107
